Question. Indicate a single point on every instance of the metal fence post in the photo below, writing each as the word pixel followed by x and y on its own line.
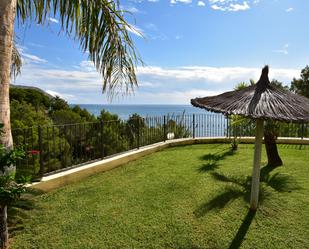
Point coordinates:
pixel 102 139
pixel 193 125
pixel 41 150
pixel 227 126
pixel 164 128
pixel 302 130
pixel 302 134
pixel 138 133
pixel 65 146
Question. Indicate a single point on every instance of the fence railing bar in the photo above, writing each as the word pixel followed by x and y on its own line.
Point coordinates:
pixel 55 147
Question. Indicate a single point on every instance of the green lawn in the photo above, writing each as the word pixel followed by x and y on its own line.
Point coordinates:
pixel 183 197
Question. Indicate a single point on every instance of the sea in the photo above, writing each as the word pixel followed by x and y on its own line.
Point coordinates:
pixel 125 111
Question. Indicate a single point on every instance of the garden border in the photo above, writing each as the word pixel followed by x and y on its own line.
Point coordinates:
pixel 76 174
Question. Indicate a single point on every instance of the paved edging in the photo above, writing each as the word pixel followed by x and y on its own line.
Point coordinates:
pixel 60 179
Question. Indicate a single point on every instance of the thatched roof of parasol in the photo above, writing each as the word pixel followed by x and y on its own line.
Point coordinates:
pixel 260 101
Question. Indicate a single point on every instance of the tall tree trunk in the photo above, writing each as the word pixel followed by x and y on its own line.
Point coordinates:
pixel 274 159
pixel 7 16
pixel 4 235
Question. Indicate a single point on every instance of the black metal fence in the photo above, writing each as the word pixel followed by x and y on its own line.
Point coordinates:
pixel 57 147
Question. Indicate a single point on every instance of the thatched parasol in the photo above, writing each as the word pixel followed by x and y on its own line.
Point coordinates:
pixel 262 101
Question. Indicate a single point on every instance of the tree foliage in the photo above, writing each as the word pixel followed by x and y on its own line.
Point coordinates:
pixel 10 190
pixel 25 115
pixel 301 85
pixel 84 114
pixel 38 99
pixel 279 84
pixel 57 104
pixel 62 117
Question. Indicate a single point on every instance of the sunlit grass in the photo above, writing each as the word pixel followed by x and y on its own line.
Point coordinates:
pixel 183 197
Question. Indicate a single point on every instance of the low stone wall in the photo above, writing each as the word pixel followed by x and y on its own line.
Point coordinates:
pixel 61 179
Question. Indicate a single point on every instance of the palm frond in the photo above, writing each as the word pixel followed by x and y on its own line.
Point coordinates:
pixel 101 30
pixel 16 62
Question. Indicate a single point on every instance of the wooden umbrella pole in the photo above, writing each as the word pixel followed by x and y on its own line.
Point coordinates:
pixel 256 164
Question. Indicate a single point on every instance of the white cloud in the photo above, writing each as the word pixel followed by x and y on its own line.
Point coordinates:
pixel 53 20
pixel 72 85
pixel 86 66
pixel 135 30
pixel 157 84
pixel 238 7
pixel 289 9
pixel 216 75
pixel 133 10
pixel 201 3
pixel 147 84
pixel 32 58
pixel 231 5
pixel 172 97
pixel 180 1
pixel 284 50
pixel 27 57
pixel 61 95
pixel 32 44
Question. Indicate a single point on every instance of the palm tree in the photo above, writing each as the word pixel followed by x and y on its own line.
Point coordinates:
pixel 101 30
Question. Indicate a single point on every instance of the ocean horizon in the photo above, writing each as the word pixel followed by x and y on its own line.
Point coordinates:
pixel 145 110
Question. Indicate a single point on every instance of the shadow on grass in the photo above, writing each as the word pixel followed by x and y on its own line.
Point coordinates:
pixel 294 146
pixel 242 231
pixel 18 211
pixel 213 159
pixel 240 187
pixel 219 202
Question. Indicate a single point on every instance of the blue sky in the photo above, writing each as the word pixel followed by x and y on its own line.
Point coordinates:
pixel 191 48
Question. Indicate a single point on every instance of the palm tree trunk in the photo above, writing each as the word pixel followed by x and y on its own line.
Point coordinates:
pixel 7 16
pixel 4 235
pixel 273 157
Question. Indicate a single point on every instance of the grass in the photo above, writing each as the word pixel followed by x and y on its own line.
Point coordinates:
pixel 187 197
